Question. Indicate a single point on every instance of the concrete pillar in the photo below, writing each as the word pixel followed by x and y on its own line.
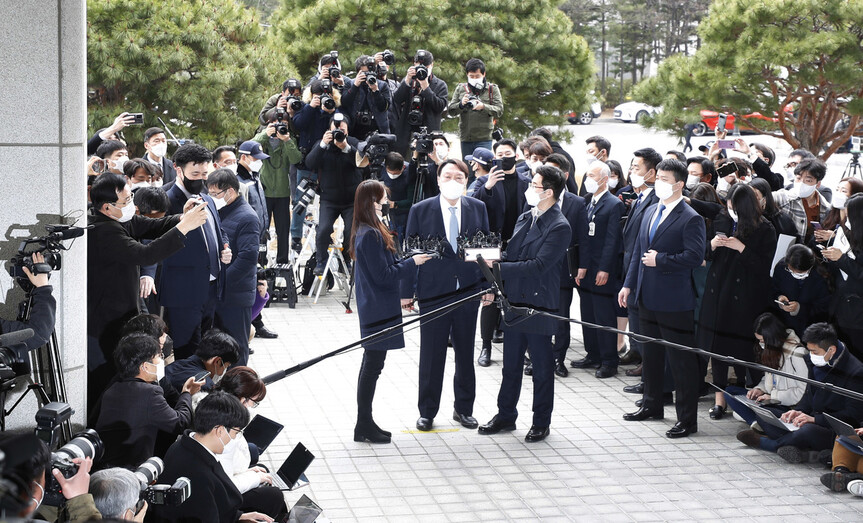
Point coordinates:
pixel 43 115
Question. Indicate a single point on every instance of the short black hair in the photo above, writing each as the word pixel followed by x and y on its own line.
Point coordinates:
pixel 474 64
pixel 559 160
pixel 150 324
pixel 552 178
pixel 132 166
pixel 290 82
pixel 543 132
pixel 650 156
pixel 800 257
pixel 600 142
pixel 766 151
pixel 217 343
pixel 364 60
pixel 707 167
pixel 109 147
pixel 223 179
pixel 105 189
pixel 423 57
pixel 822 334
pixel 802 153
pixel 191 153
pixel 26 458
pixel 678 155
pixel 328 59
pixel 151 199
pixel 219 409
pixel 812 166
pixel 505 141
pixel 676 167
pixel 217 152
pixel 394 161
pixel 132 351
pixel 152 131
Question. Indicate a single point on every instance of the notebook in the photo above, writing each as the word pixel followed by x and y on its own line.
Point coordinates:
pixel 291 475
pixel 767 416
pixel 262 431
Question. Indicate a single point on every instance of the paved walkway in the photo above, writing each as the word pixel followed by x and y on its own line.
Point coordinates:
pixel 593 466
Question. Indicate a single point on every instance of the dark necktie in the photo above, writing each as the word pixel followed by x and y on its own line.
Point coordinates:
pixel 655 224
pixel 213 248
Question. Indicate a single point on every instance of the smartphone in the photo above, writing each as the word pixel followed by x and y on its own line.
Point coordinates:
pixel 99 166
pixel 815 225
pixel 138 118
pixel 780 302
pixel 725 144
pixel 628 196
pixel 720 124
pixel 821 247
pixel 201 376
pixel 497 162
pixel 726 170
pixel 722 235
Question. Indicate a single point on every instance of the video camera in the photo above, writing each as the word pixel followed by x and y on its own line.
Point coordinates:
pixel 49 245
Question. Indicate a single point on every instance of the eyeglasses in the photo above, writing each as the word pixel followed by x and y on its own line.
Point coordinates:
pixel 218 194
pixel 238 430
pixel 255 404
pixel 120 205
pixel 540 187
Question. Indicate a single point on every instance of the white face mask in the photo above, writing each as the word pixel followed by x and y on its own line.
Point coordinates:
pixel 160 149
pixel 218 377
pixel 157 183
pixel 120 162
pixel 722 185
pixel 637 180
pixel 534 165
pixel 128 212
pixel 789 173
pixel 220 202
pixel 799 276
pixel 233 167
pixel 160 369
pixel 393 176
pixel 141 184
pixel 591 185
pixel 612 182
pixel 664 190
pixel 804 190
pixel 589 159
pixel 441 151
pixel 255 165
pixel 229 444
pixel 452 189
pixel 839 199
pixel 818 361
pixel 476 83
pixel 733 215
pixel 532 196
pixel 39 501
pixel 692 181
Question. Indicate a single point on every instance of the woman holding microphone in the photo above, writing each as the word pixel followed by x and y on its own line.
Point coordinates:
pixel 376 279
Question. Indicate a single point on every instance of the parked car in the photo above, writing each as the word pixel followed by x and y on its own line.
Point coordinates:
pixel 709 120
pixel 633 111
pixel 586 116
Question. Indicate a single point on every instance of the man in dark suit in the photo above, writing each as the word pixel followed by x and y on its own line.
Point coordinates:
pixel 216 353
pixel 219 419
pixel 671 243
pixel 156 145
pixel 442 281
pixel 243 231
pixel 531 274
pixel 420 103
pixel 502 191
pixel 598 288
pixel 114 254
pixel 192 280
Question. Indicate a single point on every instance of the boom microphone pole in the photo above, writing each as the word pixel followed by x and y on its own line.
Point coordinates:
pixel 276 376
pixel 527 312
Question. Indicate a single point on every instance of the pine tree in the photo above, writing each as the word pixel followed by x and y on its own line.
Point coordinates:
pixel 204 66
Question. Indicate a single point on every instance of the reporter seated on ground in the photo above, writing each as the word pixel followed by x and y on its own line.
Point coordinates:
pixel 829 362
pixel 133 410
pixel 26 464
pixel 217 351
pixel 219 418
pixel 240 457
pixel 778 348
pixel 800 285
pixel 116 492
pixel 847 472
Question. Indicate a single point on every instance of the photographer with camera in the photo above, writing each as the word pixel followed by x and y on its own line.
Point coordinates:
pixel 430 151
pixel 421 99
pixel 113 132
pixel 116 493
pixel 290 99
pixel 330 68
pixel 397 178
pixel 44 307
pixel 367 99
pixel 333 160
pixel 478 104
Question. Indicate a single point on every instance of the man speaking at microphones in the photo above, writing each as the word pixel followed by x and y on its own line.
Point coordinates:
pixel 531 274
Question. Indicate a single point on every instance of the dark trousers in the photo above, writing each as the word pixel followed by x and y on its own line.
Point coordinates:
pixel 597 306
pixel 236 321
pixel 515 343
pixel 632 314
pixel 188 324
pixel 561 335
pixel 676 327
pixel 461 324
pixel 370 369
pixel 329 212
pixel 489 321
pixel 281 215
pixel 808 437
pixel 266 499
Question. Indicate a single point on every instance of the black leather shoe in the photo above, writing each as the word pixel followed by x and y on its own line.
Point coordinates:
pixel 643 414
pixel 264 332
pixel 635 373
pixel 528 369
pixel 606 372
pixel 495 425
pixel 638 388
pixel 716 412
pixel 484 359
pixel 667 399
pixel 468 422
pixel 369 432
pixel 536 434
pixel 630 357
pixel 425 424
pixel 296 245
pixel 585 363
pixel 498 336
pixel 681 430
pixel 560 369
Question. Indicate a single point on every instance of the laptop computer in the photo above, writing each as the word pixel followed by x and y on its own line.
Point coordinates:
pixel 304 511
pixel 842 429
pixel 767 416
pixel 262 431
pixel 739 397
pixel 291 475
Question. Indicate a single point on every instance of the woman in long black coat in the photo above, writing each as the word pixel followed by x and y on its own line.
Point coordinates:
pixel 738 288
pixel 376 279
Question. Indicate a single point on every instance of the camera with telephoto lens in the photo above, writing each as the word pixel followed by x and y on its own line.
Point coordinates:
pixel 308 190
pixel 472 101
pixel 371 78
pixel 148 473
pixel 85 444
pixel 388 57
pixel 335 71
pixel 295 103
pixel 376 147
pixel 327 102
pixel 415 116
pixel 421 71
pixel 339 135
pixel 281 126
pixel 365 118
pixel 497 134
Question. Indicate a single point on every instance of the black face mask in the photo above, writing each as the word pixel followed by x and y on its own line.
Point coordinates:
pixel 193 186
pixel 507 163
pixel 385 209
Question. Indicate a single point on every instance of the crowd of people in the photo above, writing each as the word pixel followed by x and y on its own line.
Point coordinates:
pixel 675 248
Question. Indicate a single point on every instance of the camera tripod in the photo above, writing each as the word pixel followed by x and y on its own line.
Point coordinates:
pixel 853 168
pixel 336 266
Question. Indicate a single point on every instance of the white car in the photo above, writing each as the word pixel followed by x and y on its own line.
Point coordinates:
pixel 633 111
